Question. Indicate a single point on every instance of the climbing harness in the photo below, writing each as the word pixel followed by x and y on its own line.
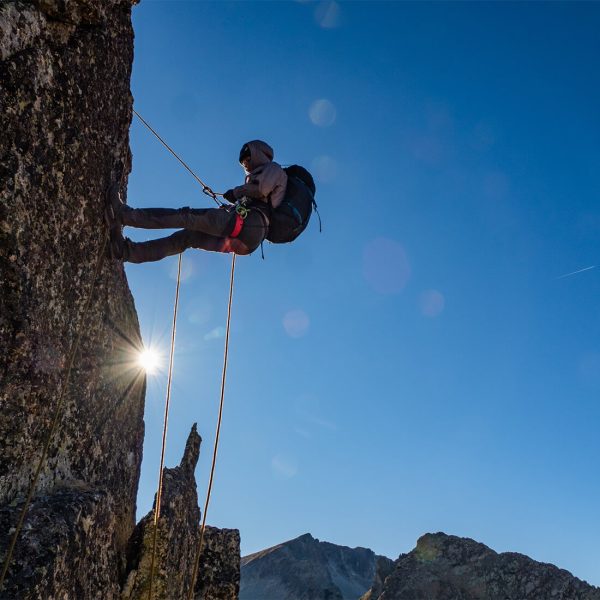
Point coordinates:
pixel 241 212
pixel 206 189
pixel 164 434
pixel 57 411
pixel 238 226
pixel 218 432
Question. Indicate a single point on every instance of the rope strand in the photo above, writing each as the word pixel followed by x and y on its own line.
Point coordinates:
pixel 207 190
pixel 164 435
pixel 216 445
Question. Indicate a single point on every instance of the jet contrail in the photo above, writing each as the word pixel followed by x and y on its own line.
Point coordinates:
pixel 575 272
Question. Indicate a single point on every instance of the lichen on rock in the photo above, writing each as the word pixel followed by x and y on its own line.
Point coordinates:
pixel 446 567
pixel 65 137
pixel 65 113
pixel 177 539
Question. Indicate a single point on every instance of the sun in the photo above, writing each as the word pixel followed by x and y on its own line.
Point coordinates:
pixel 149 360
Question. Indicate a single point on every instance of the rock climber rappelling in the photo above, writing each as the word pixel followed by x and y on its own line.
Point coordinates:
pixel 273 203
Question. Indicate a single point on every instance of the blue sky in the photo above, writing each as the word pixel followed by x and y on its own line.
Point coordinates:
pixel 418 366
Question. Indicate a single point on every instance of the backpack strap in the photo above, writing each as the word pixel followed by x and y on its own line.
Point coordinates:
pixel 318 215
pixel 312 199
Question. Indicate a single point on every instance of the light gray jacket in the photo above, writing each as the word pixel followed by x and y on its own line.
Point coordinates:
pixel 265 179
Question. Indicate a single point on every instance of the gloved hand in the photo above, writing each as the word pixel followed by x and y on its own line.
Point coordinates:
pixel 230 196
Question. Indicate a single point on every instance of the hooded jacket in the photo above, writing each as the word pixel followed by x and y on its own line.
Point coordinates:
pixel 265 180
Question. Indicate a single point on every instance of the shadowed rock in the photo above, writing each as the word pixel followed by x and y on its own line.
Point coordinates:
pixel 219 571
pixel 177 540
pixel 307 569
pixel 65 111
pixel 445 567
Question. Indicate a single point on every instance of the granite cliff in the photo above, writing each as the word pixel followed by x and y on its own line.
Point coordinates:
pixel 65 112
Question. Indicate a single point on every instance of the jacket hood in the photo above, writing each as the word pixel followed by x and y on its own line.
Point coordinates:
pixel 260 153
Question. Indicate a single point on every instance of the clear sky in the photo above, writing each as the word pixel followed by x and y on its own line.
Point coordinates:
pixel 419 366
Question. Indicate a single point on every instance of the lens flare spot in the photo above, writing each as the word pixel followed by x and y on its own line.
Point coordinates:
pixel 322 113
pixel 431 303
pixel 324 169
pixel 149 360
pixel 284 467
pixel 327 14
pixel 295 323
pixel 215 334
pixel 188 270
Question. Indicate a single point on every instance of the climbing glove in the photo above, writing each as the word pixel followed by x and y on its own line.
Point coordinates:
pixel 230 196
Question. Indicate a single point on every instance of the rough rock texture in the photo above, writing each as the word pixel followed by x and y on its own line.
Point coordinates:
pixel 444 567
pixel 65 110
pixel 177 540
pixel 383 567
pixel 219 570
pixel 307 569
pixel 176 536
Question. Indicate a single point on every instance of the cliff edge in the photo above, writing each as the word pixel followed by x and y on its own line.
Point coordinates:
pixel 65 111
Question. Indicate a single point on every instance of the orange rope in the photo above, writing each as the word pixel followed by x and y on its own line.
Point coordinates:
pixel 164 434
pixel 216 445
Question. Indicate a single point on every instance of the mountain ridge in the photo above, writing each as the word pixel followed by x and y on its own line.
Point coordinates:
pixel 440 567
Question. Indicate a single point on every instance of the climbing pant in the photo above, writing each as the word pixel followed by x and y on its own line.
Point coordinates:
pixel 203 228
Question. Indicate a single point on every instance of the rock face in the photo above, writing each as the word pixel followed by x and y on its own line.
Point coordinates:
pixel 307 569
pixel 219 571
pixel 177 540
pixel 65 110
pixel 444 567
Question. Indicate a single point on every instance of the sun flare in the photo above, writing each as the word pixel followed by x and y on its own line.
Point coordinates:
pixel 149 360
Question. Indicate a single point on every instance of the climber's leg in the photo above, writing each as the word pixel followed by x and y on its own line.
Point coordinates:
pixel 140 252
pixel 215 221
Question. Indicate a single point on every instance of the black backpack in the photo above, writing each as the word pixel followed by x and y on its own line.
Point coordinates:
pixel 291 217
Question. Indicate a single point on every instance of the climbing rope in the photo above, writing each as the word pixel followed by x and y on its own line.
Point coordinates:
pixel 57 412
pixel 164 434
pixel 216 445
pixel 207 190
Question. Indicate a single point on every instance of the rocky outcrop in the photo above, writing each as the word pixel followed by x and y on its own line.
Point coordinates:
pixel 444 567
pixel 219 570
pixel 383 567
pixel 65 110
pixel 307 569
pixel 177 540
pixel 176 537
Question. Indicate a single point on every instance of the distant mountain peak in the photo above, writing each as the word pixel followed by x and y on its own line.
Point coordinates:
pixel 305 568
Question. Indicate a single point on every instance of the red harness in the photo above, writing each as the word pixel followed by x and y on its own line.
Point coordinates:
pixel 237 228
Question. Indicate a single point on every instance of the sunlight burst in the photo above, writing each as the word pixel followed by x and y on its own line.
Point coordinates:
pixel 149 360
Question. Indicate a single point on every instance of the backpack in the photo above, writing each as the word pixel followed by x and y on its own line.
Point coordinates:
pixel 291 217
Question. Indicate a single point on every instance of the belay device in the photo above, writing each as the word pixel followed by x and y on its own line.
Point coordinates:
pixel 291 217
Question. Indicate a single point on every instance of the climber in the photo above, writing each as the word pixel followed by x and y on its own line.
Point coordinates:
pixel 239 227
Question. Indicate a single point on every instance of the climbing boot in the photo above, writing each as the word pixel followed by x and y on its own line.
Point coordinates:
pixel 113 206
pixel 118 245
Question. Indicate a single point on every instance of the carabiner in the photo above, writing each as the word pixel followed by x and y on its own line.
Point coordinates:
pixel 242 210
